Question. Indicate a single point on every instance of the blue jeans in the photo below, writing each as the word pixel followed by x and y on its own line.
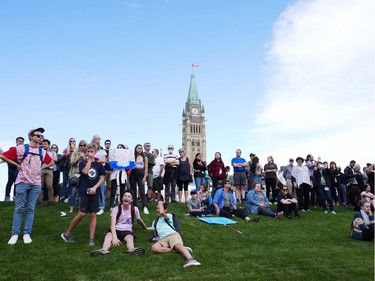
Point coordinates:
pixel 252 180
pixel 73 196
pixel 266 212
pixel 102 196
pixel 198 182
pixel 26 197
pixel 342 194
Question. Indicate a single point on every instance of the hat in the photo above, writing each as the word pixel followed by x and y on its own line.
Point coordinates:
pixel 193 192
pixel 300 158
pixel 252 154
pixel 291 159
pixel 170 146
pixel 34 130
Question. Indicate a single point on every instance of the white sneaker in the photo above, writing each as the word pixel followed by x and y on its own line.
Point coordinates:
pixel 101 211
pixel 325 211
pixel 145 210
pixel 333 213
pixel 27 239
pixel 13 240
pixel 62 214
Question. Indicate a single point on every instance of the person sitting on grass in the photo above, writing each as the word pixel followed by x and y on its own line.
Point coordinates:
pixel 167 238
pixel 258 203
pixel 287 203
pixel 92 176
pixel 122 227
pixel 363 223
pixel 195 206
pixel 225 204
pixel 204 196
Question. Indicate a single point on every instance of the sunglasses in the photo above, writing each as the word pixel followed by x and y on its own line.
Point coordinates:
pixel 82 145
pixel 170 148
pixel 180 151
pixel 285 189
pixel 38 136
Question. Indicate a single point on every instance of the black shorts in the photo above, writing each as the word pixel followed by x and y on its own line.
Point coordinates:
pixel 157 184
pixel 121 234
pixel 89 203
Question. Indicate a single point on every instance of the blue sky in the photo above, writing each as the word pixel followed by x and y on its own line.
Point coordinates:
pixel 284 78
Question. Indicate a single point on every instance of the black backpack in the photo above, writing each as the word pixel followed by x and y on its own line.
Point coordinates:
pixel 176 225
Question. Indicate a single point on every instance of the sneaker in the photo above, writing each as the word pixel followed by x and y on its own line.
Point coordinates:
pixel 67 238
pixel 278 215
pixel 333 213
pixel 145 210
pixel 27 239
pixel 191 262
pixel 101 211
pixel 99 252
pixel 326 212
pixel 7 199
pixel 308 210
pixel 91 242
pixel 137 251
pixel 190 250
pixel 13 240
pixel 255 219
pixel 303 210
pixel 62 214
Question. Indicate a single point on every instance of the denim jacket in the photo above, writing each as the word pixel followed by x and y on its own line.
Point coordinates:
pixel 253 200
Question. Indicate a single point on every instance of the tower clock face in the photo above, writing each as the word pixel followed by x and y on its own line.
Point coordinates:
pixel 194 111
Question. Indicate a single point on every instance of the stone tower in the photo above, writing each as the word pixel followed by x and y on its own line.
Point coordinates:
pixel 193 124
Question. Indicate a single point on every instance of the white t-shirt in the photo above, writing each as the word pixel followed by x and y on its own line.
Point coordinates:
pixel 156 169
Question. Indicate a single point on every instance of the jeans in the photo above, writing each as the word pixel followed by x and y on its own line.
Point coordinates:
pixel 266 212
pixel 342 194
pixel 26 197
pixel 73 196
pixel 65 189
pixel 198 182
pixel 102 195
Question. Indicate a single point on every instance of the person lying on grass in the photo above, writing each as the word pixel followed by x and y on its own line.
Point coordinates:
pixel 167 238
pixel 122 218
pixel 258 203
pixel 225 204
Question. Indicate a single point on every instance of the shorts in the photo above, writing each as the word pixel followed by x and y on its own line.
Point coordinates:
pixel 239 178
pixel 121 234
pixel 89 203
pixel 157 184
pixel 171 240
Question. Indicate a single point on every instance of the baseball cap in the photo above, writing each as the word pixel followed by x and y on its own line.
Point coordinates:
pixel 35 130
pixel 193 192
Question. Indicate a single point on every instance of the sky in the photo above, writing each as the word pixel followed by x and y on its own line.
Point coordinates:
pixel 276 77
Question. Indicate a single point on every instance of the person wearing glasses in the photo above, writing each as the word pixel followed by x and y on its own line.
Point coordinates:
pixel 170 174
pixel 258 203
pixel 12 174
pixel 287 203
pixel 28 182
pixel 363 222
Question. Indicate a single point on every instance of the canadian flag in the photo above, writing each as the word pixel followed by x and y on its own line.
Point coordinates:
pixel 194 65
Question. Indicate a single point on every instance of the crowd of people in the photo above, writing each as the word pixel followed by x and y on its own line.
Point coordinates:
pixel 90 182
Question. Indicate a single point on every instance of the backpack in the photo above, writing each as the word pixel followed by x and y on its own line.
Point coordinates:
pixel 132 213
pixel 176 226
pixel 27 152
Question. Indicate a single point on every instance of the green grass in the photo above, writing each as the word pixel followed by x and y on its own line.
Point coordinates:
pixel 318 247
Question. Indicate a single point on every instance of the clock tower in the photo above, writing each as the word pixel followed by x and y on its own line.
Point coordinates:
pixel 194 124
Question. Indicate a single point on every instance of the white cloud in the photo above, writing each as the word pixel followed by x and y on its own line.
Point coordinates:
pixel 320 81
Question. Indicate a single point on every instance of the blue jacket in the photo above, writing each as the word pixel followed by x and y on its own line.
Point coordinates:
pixel 358 227
pixel 219 198
pixel 253 201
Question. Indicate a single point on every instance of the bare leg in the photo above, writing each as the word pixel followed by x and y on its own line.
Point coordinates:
pixel 158 249
pixel 92 225
pixel 186 196
pixel 107 241
pixel 74 222
pixel 183 251
pixel 179 196
pixel 129 239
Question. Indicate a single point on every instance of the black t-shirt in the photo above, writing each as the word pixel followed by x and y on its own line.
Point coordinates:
pixel 92 177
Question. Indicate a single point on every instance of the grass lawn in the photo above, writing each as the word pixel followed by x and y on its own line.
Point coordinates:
pixel 318 247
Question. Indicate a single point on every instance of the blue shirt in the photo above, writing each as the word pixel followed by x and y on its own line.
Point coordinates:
pixel 238 160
